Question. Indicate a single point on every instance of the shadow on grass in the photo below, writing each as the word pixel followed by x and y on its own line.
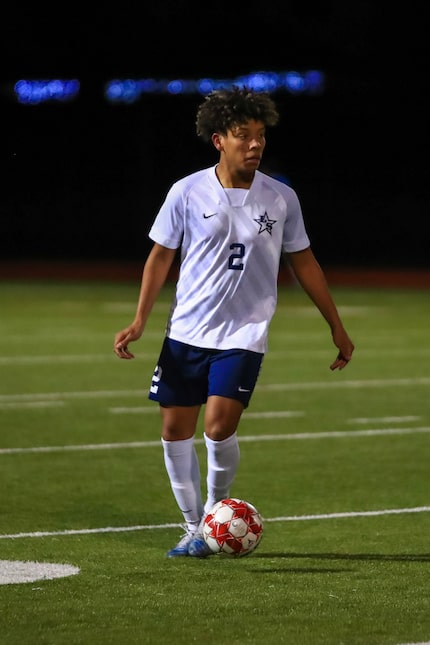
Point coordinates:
pixel 381 557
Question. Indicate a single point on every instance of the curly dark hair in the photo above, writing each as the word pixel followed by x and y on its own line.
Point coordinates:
pixel 223 109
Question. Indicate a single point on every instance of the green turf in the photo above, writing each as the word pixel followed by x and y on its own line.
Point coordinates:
pixel 319 576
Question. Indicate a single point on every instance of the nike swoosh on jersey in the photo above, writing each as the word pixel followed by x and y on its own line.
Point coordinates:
pixel 209 215
pixel 242 389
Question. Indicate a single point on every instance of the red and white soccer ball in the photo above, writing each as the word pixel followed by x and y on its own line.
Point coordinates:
pixel 233 526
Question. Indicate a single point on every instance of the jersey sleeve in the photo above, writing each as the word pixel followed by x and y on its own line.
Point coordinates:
pixel 295 237
pixel 168 226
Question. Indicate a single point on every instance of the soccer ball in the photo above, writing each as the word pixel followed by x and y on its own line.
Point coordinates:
pixel 233 526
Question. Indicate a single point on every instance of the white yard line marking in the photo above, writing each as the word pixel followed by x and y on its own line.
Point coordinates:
pixel 134 410
pixel 145 527
pixel 334 434
pixel 384 419
pixel 330 516
pixel 47 359
pixel 16 405
pixel 66 358
pixel 348 434
pixel 325 385
pixel 317 385
pixel 275 414
pixel 104 358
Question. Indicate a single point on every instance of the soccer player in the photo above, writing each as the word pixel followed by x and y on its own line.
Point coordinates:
pixel 231 223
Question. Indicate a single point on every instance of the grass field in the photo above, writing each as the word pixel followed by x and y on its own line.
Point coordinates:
pixel 338 463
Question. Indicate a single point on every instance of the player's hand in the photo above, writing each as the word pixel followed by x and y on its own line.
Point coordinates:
pixel 346 348
pixel 340 362
pixel 122 339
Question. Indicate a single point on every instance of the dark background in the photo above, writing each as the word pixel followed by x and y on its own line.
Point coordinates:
pixel 84 180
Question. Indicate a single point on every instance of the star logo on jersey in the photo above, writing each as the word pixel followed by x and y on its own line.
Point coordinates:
pixel 265 223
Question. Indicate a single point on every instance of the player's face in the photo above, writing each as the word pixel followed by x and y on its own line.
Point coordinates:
pixel 243 145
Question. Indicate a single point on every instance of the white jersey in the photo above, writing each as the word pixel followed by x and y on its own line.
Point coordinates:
pixel 231 242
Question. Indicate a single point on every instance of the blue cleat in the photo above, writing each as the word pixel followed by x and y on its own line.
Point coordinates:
pixel 181 549
pixel 197 546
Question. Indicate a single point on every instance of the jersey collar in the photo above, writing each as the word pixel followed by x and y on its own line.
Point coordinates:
pixel 220 193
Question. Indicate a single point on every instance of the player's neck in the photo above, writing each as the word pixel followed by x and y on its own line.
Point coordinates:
pixel 229 179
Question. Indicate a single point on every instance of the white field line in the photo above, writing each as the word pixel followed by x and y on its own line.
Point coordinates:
pixel 329 516
pixel 325 385
pixel 287 518
pixel 316 385
pixel 384 419
pixel 134 410
pixel 18 405
pixel 149 355
pixel 275 414
pixel 71 358
pixel 335 434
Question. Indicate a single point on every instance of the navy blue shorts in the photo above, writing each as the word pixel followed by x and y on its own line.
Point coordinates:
pixel 186 375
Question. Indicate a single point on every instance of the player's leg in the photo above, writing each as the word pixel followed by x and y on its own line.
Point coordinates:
pixel 176 387
pixel 232 379
pixel 183 469
pixel 222 416
pixel 180 458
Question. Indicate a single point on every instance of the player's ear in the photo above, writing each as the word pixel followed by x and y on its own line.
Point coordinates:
pixel 217 140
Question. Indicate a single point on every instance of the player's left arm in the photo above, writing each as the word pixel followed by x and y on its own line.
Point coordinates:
pixel 313 281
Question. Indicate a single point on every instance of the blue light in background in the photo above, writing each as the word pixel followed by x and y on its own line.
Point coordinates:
pixel 34 92
pixel 129 91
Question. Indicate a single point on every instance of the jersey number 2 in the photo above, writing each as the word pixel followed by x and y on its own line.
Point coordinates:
pixel 234 261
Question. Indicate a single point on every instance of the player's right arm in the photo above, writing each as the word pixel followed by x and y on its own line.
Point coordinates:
pixel 312 279
pixel 154 275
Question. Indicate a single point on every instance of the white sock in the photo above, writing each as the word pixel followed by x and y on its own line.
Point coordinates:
pixel 223 461
pixel 183 469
